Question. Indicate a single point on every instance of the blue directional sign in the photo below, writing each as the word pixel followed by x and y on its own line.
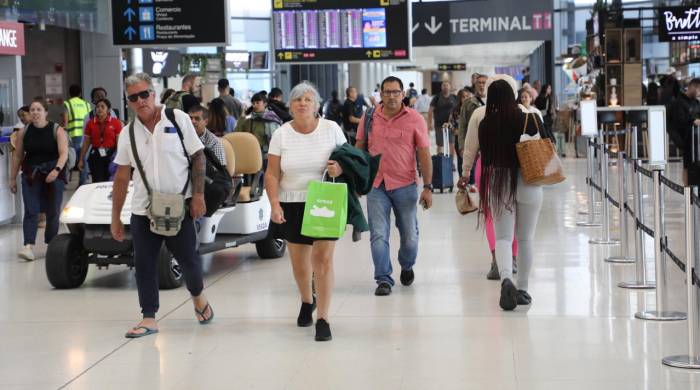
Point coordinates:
pixel 170 23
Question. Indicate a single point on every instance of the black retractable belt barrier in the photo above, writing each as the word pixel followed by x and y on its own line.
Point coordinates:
pixel 692 359
pixel 660 314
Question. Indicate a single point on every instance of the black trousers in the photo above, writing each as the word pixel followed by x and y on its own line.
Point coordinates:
pixel 99 166
pixel 146 247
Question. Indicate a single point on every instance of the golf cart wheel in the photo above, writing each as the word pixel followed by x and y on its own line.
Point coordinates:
pixel 271 248
pixel 169 272
pixel 66 262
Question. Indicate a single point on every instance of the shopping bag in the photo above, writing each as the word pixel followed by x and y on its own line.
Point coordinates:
pixel 326 210
pixel 539 163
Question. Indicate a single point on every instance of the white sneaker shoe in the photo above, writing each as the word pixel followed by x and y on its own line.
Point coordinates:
pixel 27 253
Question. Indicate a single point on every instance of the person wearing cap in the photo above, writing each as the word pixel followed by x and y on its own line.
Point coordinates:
pixel 233 106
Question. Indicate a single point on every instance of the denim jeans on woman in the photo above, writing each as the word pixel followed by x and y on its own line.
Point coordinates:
pixel 380 202
pixel 33 194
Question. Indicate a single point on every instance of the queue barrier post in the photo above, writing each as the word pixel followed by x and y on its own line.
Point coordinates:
pixel 639 255
pixel 590 159
pixel 692 359
pixel 605 213
pixel 622 170
pixel 660 314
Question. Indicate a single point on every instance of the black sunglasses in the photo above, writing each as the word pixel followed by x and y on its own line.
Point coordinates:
pixel 135 97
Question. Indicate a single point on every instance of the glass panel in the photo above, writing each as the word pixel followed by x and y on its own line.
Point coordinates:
pixel 258 9
pixel 247 84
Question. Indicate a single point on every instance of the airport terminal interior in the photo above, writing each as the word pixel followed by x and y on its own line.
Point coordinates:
pixel 522 214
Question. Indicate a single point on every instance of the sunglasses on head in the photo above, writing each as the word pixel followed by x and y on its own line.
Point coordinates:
pixel 135 97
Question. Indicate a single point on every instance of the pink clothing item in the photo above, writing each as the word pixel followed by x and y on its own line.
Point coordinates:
pixel 396 139
pixel 490 231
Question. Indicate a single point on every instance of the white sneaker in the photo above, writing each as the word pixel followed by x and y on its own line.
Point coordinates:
pixel 26 253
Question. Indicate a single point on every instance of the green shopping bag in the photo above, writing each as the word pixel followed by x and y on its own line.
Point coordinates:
pixel 326 210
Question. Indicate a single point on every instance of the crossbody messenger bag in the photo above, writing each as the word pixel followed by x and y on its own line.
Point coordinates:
pixel 369 118
pixel 165 211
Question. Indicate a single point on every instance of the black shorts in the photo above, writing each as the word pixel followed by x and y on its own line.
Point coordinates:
pixel 290 231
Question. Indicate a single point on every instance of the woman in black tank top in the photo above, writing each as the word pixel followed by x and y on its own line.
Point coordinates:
pixel 42 152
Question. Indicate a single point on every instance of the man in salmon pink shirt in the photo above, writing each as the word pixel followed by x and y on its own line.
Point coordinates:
pixel 397 133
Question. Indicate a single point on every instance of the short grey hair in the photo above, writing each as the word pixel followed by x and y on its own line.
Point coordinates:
pixel 137 78
pixel 301 89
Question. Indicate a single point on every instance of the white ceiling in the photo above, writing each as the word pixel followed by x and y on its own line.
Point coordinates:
pixel 482 54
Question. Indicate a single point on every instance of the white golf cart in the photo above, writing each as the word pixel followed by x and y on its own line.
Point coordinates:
pixel 243 219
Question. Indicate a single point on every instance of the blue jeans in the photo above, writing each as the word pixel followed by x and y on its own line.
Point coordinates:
pixel 33 195
pixel 77 145
pixel 404 202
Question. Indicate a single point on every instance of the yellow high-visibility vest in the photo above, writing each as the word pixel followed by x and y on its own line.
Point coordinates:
pixel 77 109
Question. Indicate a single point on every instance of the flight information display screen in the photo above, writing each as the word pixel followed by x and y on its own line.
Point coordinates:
pixel 341 30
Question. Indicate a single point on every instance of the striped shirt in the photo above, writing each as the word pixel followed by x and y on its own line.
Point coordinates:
pixel 303 157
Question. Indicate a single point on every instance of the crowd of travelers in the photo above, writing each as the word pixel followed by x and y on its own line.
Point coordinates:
pixel 390 131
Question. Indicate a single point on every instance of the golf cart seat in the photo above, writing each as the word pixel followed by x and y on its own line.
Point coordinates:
pixel 248 165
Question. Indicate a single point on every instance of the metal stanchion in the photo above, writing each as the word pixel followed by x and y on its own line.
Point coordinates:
pixel 660 314
pixel 590 222
pixel 624 257
pixel 605 214
pixel 692 359
pixel 641 282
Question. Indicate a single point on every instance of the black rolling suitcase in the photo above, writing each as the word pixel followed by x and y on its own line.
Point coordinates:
pixel 442 166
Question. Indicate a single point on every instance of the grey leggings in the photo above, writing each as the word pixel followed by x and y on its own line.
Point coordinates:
pixel 524 218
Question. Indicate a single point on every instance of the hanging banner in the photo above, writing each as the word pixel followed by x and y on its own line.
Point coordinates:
pixel 485 21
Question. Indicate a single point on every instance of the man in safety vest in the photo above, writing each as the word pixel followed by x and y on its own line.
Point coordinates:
pixel 74 118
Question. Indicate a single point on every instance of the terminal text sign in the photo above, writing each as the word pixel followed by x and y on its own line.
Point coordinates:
pixel 169 23
pixel 481 21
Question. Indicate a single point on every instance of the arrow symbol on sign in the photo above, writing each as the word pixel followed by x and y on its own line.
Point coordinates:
pixel 433 28
pixel 130 32
pixel 415 27
pixel 369 53
pixel 129 13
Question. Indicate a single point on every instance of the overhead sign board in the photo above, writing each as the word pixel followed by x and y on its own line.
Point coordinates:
pixel 169 23
pixel 448 67
pixel 679 24
pixel 12 38
pixel 161 63
pixel 481 21
pixel 341 30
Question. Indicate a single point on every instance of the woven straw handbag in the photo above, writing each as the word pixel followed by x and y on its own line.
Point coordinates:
pixel 539 163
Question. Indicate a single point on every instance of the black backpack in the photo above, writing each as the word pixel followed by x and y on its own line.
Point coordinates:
pixel 217 183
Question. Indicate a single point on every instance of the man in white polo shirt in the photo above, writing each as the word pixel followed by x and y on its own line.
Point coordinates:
pixel 166 169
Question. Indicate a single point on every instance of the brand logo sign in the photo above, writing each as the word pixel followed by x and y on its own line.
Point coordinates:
pixel 679 24
pixel 12 38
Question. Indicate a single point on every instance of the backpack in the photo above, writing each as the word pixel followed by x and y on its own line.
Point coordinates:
pixel 175 101
pixel 217 184
pixel 72 155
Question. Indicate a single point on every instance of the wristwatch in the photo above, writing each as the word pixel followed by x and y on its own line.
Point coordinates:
pixel 57 169
pixel 428 187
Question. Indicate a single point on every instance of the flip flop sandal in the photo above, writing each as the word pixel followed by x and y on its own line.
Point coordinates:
pixel 205 320
pixel 147 332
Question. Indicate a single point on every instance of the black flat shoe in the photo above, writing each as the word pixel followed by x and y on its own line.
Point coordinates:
pixel 524 298
pixel 383 289
pixel 509 295
pixel 306 318
pixel 323 331
pixel 407 277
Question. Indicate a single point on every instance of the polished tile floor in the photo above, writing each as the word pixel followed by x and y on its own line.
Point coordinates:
pixel 444 332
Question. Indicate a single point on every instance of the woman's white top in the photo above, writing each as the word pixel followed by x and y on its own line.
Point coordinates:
pixel 303 157
pixel 471 144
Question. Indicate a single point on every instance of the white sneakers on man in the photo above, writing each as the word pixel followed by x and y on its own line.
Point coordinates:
pixel 26 253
